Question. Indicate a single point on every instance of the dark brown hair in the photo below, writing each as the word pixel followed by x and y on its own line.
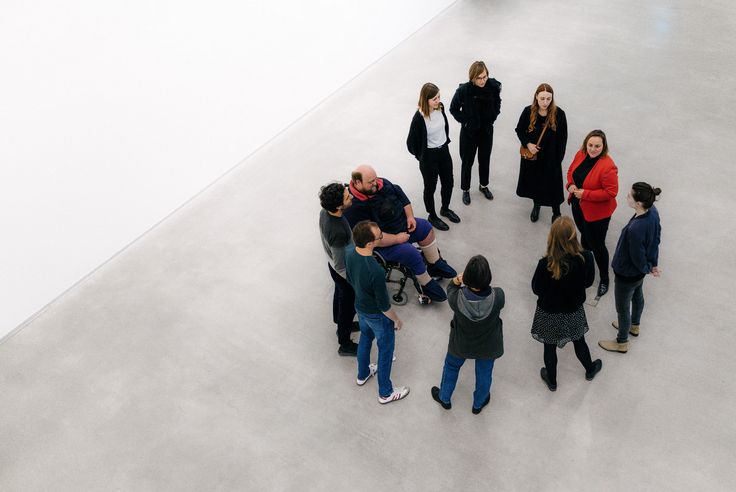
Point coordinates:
pixel 363 233
pixel 428 91
pixel 477 274
pixel 644 193
pixel 596 133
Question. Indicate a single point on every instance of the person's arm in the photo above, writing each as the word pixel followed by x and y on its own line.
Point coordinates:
pixel 389 239
pixel 500 301
pixel 561 134
pixel 608 187
pixel 456 107
pixel 522 126
pixel 413 141
pixel 411 222
pixel 497 101
pixel 453 289
pixel 382 299
pixel 637 249
pixel 540 275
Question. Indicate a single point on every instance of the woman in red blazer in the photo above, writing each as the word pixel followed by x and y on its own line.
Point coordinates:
pixel 592 182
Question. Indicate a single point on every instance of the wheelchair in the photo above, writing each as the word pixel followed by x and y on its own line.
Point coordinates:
pixel 397 294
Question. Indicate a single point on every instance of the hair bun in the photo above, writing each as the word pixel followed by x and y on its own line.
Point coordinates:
pixel 656 191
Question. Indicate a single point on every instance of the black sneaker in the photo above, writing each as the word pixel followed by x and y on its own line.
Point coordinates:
pixel 543 373
pixel 486 192
pixel 602 289
pixel 597 365
pixel 440 268
pixel 434 291
pixel 466 197
pixel 476 411
pixel 348 349
pixel 436 397
pixel 438 223
pixel 452 216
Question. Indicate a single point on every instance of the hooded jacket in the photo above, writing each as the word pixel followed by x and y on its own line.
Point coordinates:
pixel 476 331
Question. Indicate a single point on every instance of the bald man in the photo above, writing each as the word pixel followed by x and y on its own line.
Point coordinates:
pixel 378 200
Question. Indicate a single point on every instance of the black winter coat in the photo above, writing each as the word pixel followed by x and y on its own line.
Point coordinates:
pixel 541 180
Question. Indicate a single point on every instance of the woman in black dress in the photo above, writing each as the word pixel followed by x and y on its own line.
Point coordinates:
pixel 429 136
pixel 541 179
pixel 559 282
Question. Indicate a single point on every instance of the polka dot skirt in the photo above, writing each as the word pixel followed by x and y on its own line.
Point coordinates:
pixel 559 328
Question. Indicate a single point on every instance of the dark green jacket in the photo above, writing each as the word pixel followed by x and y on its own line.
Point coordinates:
pixel 476 331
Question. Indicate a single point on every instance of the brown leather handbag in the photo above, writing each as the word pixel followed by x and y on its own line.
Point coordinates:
pixel 526 153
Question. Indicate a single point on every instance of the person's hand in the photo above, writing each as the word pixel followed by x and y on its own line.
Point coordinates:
pixel 398 323
pixel 411 224
pixel 532 148
pixel 578 192
pixel 656 271
pixel 402 237
pixel 458 280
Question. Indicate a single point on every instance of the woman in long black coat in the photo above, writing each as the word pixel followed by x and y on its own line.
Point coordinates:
pixel 541 179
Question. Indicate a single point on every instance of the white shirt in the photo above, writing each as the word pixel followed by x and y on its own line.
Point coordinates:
pixel 435 129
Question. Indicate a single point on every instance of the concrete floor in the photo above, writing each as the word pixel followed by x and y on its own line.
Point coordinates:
pixel 203 357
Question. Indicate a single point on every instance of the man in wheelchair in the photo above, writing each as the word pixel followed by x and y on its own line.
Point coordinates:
pixel 378 200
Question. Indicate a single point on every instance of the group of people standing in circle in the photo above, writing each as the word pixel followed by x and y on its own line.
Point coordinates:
pixel 566 270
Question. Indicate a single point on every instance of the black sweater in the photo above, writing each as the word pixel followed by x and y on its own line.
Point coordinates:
pixel 567 294
pixel 416 142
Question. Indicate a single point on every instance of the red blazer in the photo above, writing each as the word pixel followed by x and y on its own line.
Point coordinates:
pixel 599 188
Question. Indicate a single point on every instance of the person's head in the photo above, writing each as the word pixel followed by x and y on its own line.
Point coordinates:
pixel 334 196
pixel 478 73
pixel 562 243
pixel 544 101
pixel 364 179
pixel 595 144
pixel 477 274
pixel 642 194
pixel 366 232
pixel 429 98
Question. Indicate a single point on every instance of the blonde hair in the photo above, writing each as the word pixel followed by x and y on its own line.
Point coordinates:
pixel 477 68
pixel 562 245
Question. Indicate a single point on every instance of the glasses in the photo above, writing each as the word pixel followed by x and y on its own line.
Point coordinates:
pixel 482 78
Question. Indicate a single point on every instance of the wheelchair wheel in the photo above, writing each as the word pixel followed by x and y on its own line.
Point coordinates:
pixel 398 297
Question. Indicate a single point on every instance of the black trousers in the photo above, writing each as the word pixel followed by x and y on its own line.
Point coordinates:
pixel 593 238
pixel 470 142
pixel 550 358
pixel 437 163
pixel 343 306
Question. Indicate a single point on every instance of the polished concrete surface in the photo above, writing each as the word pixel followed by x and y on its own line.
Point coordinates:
pixel 203 357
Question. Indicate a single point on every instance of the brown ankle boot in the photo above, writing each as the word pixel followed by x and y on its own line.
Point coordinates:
pixel 614 346
pixel 634 330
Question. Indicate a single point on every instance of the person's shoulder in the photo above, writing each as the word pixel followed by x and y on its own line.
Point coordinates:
pixel 417 116
pixel 560 112
pixel 527 110
pixel 493 83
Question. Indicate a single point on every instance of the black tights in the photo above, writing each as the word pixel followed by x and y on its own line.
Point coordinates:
pixel 550 358
pixel 555 208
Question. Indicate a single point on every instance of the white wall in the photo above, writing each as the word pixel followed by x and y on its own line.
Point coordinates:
pixel 114 114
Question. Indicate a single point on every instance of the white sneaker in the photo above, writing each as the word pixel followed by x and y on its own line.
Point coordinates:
pixel 372 368
pixel 398 394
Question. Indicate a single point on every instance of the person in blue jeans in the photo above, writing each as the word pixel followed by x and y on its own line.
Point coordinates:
pixel 476 332
pixel 376 317
pixel 637 254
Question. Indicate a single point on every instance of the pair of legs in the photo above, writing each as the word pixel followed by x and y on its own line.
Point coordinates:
pixel 343 307
pixel 435 164
pixel 629 306
pixel 593 238
pixel 555 208
pixel 483 379
pixel 550 358
pixel 481 142
pixel 407 254
pixel 381 329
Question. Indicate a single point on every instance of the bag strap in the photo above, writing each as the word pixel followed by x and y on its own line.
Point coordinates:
pixel 544 129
